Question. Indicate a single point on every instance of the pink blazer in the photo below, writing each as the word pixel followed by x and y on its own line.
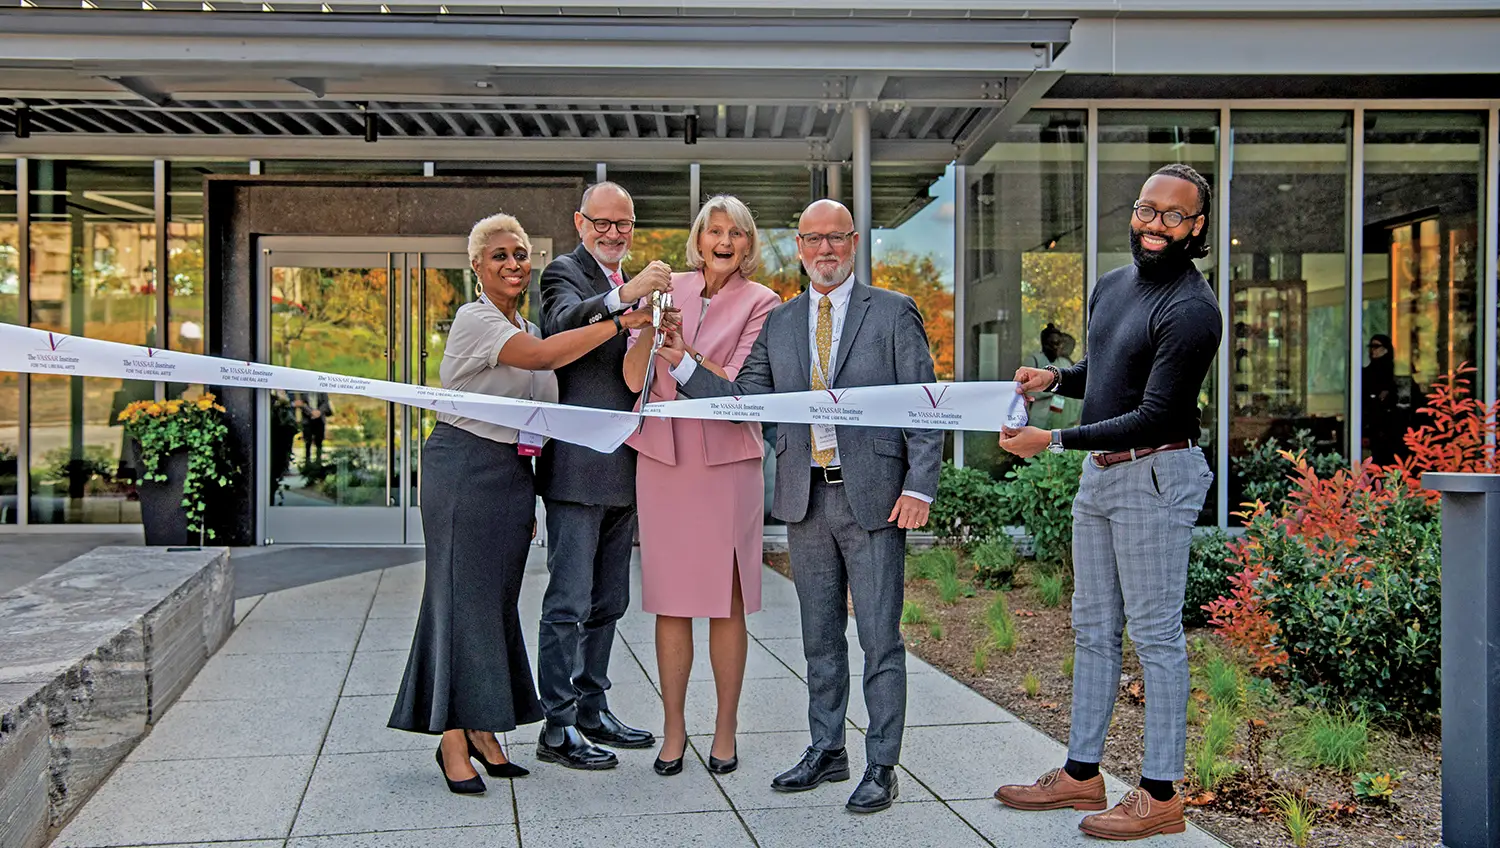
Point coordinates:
pixel 724 335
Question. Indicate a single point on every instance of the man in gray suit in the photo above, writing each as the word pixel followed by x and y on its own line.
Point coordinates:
pixel 589 496
pixel 847 494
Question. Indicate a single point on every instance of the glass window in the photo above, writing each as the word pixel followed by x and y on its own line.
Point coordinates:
pixel 1424 187
pixel 1025 263
pixel 1132 146
pixel 1288 256
pixel 185 268
pixel 914 255
pixel 93 242
pixel 10 383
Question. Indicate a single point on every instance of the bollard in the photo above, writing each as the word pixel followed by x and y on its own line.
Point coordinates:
pixel 1471 657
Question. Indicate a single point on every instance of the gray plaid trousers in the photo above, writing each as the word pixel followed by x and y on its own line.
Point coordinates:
pixel 1132 529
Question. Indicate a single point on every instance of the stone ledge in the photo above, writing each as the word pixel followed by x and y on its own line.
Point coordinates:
pixel 91 654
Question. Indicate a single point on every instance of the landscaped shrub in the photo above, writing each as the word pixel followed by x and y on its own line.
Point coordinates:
pixel 995 562
pixel 1210 564
pixel 971 506
pixel 1041 493
pixel 1265 469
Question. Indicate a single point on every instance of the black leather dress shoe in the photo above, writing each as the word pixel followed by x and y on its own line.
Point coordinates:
pixel 816 767
pixel 567 747
pixel 605 729
pixel 876 791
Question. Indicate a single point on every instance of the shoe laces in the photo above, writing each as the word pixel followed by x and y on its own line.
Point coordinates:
pixel 1137 801
pixel 1046 780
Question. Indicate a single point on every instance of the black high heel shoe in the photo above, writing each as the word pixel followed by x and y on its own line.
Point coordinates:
pixel 494 770
pixel 718 766
pixel 472 786
pixel 667 768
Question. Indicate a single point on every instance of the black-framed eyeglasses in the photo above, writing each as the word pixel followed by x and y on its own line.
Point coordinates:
pixel 602 225
pixel 815 240
pixel 1171 218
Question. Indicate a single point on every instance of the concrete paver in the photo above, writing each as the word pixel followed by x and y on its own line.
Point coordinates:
pixel 281 742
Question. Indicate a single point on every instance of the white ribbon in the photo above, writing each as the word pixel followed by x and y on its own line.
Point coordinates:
pixel 940 406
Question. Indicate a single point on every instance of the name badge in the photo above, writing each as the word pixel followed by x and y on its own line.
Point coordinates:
pixel 1057 404
pixel 529 444
pixel 823 437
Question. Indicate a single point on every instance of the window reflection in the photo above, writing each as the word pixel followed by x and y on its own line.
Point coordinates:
pixel 1423 186
pixel 1288 256
pixel 10 383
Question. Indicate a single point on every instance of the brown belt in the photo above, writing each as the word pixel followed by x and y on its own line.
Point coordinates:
pixel 1105 460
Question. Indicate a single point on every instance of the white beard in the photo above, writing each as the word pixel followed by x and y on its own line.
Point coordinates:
pixel 839 275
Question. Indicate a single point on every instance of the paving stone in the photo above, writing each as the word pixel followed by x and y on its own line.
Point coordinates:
pixel 196 730
pixel 552 792
pixel 636 704
pixel 262 636
pixel 359 726
pixel 388 634
pixel 759 662
pixel 231 677
pixel 966 762
pixel 917 825
pixel 396 603
pixel 376 673
pixel 257 843
pixel 765 755
pixel 771 704
pixel 1007 828
pixel 448 837
pixel 244 606
pixel 214 800
pixel 672 830
pixel 396 790
pixel 932 699
pixel 346 597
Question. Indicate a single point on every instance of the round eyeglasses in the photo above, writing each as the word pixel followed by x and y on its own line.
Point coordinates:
pixel 602 225
pixel 1146 214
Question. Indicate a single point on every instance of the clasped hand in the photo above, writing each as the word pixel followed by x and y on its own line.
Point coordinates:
pixel 1027 442
pixel 653 278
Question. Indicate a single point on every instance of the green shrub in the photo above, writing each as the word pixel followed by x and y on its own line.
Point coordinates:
pixel 1210 563
pixel 1002 624
pixel 1376 787
pixel 1067 664
pixel 995 562
pixel 950 589
pixel 935 630
pixel 1041 493
pixel 1210 760
pixel 1297 815
pixel 981 657
pixel 1050 584
pixel 1265 474
pixel 1335 740
pixel 911 613
pixel 928 564
pixel 971 506
pixel 1224 685
pixel 1031 684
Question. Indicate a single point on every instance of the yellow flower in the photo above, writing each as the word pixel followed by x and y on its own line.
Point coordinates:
pixel 219 408
pixel 208 396
pixel 174 406
pixel 124 415
pixel 153 409
pixel 206 402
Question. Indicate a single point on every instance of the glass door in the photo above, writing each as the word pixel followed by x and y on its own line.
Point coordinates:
pixel 346 469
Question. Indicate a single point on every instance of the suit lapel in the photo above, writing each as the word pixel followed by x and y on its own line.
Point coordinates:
pixel 859 303
pixel 800 330
pixel 592 270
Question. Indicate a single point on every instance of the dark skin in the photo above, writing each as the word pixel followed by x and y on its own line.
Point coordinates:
pixel 1162 193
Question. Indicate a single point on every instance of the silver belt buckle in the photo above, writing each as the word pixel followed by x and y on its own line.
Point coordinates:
pixel 833 476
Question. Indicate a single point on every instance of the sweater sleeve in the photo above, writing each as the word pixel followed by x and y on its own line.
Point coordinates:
pixel 1186 339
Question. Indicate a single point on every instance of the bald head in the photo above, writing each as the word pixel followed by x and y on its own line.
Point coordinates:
pixel 825 242
pixel 831 213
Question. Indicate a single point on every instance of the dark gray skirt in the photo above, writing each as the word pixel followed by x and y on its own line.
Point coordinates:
pixel 468 666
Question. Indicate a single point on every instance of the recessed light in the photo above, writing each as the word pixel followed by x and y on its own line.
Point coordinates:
pixel 1234 241
pixel 1285 187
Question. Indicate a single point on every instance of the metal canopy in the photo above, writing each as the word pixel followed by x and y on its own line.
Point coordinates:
pixel 527 88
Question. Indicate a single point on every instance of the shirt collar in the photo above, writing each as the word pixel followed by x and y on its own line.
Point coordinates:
pixel 839 296
pixel 605 271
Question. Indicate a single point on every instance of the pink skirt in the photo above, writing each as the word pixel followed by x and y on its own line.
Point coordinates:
pixel 696 520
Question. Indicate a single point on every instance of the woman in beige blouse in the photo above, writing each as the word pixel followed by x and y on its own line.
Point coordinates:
pixel 468 676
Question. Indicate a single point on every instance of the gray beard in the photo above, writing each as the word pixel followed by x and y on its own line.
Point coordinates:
pixel 840 274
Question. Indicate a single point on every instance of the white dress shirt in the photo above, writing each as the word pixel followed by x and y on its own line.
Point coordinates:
pixel 839 297
pixel 612 297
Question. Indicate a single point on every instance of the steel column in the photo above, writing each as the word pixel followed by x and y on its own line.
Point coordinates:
pixel 1491 264
pixel 695 190
pixel 960 278
pixel 23 314
pixel 1222 394
pixel 862 207
pixel 1356 288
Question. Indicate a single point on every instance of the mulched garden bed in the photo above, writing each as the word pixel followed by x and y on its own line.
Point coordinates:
pixel 1238 812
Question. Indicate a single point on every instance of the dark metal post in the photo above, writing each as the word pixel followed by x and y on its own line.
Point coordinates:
pixel 1471 658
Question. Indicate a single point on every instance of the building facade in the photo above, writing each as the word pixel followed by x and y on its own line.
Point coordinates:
pixel 292 183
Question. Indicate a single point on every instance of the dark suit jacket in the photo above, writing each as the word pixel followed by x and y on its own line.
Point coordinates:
pixel 883 343
pixel 573 290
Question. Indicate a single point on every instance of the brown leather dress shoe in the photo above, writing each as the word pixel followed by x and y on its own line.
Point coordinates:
pixel 1055 790
pixel 1137 816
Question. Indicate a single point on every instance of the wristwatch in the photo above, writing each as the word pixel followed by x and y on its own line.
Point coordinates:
pixel 697 357
pixel 1056 445
pixel 619 328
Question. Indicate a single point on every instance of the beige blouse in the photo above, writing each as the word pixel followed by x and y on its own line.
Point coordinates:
pixel 471 364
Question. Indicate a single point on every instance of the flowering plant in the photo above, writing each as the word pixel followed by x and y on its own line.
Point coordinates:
pixel 196 426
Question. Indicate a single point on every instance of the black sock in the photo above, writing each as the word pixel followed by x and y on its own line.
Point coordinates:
pixel 1161 790
pixel 1081 771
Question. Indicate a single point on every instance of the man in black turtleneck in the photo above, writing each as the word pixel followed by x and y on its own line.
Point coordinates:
pixel 1154 328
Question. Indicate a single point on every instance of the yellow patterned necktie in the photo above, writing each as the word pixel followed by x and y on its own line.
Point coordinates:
pixel 825 348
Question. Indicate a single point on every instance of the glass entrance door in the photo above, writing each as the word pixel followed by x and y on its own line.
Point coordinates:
pixel 345 469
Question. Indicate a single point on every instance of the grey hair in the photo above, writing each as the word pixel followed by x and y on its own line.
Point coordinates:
pixel 589 192
pixel 738 213
pixel 485 229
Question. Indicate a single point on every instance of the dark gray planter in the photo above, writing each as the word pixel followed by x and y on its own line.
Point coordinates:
pixel 162 513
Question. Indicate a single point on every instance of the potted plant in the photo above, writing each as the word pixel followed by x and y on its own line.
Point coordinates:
pixel 181 456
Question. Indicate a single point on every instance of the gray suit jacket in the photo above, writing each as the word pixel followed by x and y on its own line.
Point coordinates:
pixel 883 343
pixel 573 290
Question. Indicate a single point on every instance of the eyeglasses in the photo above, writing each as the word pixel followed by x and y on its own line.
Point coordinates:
pixel 602 225
pixel 815 240
pixel 1147 214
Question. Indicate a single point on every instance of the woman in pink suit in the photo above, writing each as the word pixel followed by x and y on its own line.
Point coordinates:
pixel 699 491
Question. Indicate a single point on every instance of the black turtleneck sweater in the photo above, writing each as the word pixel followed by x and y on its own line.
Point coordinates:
pixel 1151 341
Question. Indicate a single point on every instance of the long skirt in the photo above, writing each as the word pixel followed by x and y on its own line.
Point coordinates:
pixel 468 666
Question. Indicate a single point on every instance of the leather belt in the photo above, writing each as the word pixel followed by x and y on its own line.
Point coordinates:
pixel 833 476
pixel 1105 460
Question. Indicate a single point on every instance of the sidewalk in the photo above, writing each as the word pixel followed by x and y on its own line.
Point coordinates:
pixel 281 743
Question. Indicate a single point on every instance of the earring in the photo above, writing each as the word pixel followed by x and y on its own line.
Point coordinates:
pixel 479 290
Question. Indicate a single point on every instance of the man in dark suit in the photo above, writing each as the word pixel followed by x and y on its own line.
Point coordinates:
pixel 313 410
pixel 589 496
pixel 848 494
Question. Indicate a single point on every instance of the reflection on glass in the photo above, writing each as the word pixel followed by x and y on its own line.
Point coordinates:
pixel 915 257
pixel 330 450
pixel 1025 262
pixel 1423 191
pixel 436 296
pixel 10 311
pixel 1288 269
pixel 1132 146
pixel 93 242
